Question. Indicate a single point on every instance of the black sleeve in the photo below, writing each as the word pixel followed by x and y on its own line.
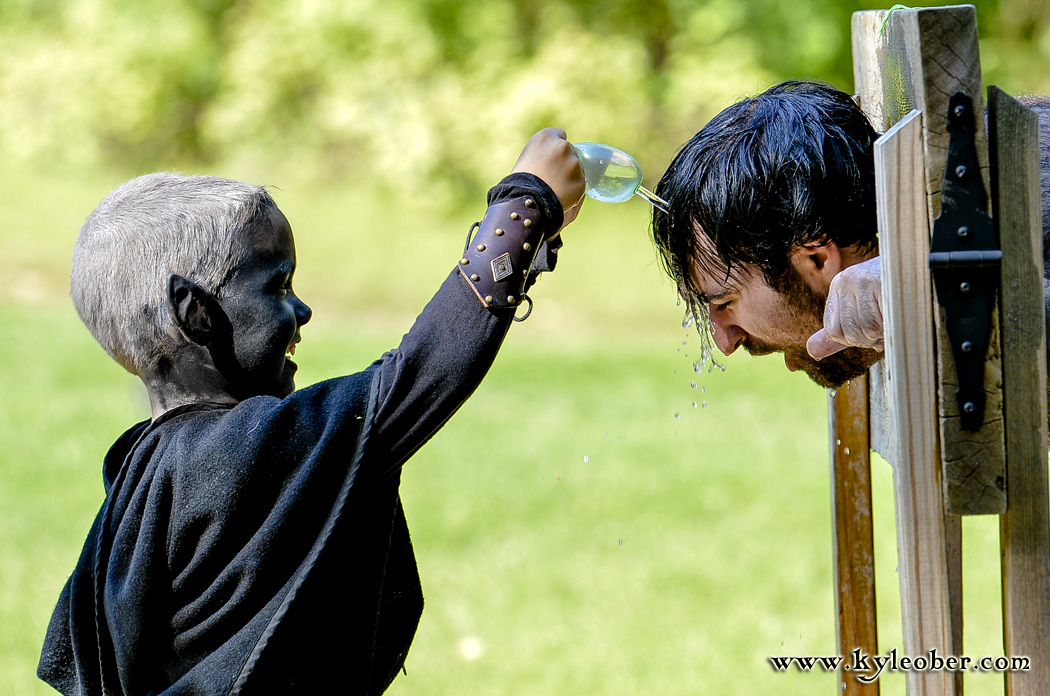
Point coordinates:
pixel 443 358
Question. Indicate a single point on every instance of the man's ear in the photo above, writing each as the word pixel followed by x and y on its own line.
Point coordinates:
pixel 818 262
pixel 189 304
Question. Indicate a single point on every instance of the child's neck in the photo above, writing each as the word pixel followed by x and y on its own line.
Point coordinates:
pixel 192 379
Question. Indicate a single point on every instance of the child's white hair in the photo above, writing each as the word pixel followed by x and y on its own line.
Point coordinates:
pixel 141 233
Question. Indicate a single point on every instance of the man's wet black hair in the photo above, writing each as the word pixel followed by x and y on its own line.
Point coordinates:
pixel 792 165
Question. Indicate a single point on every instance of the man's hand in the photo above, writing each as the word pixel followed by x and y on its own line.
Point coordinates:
pixel 853 313
pixel 550 156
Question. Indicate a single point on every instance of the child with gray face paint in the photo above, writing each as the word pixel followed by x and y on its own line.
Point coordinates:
pixel 252 538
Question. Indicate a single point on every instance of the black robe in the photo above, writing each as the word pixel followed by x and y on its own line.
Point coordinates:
pixel 262 548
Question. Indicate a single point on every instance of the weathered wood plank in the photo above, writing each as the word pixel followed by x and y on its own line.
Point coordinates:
pixel 865 37
pixel 921 536
pixel 917 59
pixel 1025 528
pixel 868 94
pixel 953 558
pixel 926 55
pixel 869 54
pixel 852 530
pixel 883 439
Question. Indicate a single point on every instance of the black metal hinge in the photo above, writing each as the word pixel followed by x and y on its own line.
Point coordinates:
pixel 965 260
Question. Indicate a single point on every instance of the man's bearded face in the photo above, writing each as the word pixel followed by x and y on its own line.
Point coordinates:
pixel 745 311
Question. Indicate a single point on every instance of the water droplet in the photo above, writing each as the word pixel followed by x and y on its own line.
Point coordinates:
pixel 693 384
pixel 586 459
pixel 838 442
pixel 677 415
pixel 833 392
pixel 703 389
pixel 846 450
pixel 705 404
pixel 685 343
pixel 695 405
pixel 676 372
pixel 558 477
pixel 621 542
pixel 696 314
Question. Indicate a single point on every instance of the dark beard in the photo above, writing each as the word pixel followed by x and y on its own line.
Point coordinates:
pixel 836 370
pixel 833 371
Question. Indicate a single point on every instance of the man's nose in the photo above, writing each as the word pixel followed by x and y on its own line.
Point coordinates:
pixel 728 336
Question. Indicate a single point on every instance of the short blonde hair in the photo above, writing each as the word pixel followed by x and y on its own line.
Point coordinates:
pixel 141 233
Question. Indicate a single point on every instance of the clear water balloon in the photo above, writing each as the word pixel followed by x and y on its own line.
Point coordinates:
pixel 613 176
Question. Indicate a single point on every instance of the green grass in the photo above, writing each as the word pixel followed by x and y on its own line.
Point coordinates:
pixel 573 534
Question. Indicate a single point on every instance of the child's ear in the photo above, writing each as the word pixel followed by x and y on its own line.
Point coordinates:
pixel 189 304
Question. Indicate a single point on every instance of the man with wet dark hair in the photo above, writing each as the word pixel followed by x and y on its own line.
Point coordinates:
pixel 771 208
pixel 772 230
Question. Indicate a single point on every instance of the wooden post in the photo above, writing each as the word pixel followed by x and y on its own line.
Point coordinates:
pixel 916 59
pixel 906 65
pixel 1025 528
pixel 888 72
pixel 852 530
pixel 907 288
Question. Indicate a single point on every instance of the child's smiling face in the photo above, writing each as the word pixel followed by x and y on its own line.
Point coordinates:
pixel 264 314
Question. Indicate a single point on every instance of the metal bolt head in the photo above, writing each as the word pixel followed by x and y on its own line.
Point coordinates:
pixel 526 246
pixel 964 287
pixel 969 407
pixel 464 262
pixel 511 299
pixel 959 110
pixel 527 222
pixel 475 277
pixel 489 299
pixel 966 346
pixel 498 232
pixel 960 171
pixel 481 247
pixel 514 216
pixel 529 203
pixel 963 232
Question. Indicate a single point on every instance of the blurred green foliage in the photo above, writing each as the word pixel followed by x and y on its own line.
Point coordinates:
pixel 624 549
pixel 408 92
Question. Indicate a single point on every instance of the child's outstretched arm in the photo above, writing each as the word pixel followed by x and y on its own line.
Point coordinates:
pixel 448 351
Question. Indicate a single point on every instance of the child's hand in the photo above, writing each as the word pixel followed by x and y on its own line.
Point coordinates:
pixel 549 156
